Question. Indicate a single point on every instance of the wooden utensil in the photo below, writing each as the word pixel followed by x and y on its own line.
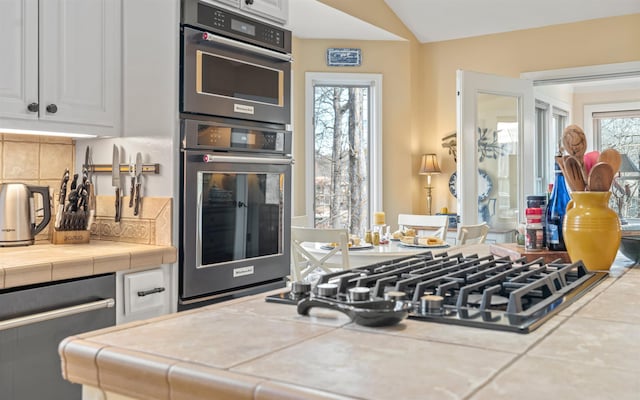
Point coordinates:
pixel 574 142
pixel 611 157
pixel 573 174
pixel 600 177
pixel 589 160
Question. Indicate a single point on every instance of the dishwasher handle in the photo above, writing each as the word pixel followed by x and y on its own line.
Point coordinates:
pixel 58 313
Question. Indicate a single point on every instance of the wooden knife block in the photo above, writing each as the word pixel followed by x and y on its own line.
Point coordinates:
pixel 70 237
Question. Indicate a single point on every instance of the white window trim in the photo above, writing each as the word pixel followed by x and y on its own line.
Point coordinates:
pixel 589 109
pixel 375 162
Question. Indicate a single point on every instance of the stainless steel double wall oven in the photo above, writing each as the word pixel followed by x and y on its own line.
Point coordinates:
pixel 235 205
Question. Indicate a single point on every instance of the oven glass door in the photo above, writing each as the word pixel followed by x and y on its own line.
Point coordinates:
pixel 233 78
pixel 241 215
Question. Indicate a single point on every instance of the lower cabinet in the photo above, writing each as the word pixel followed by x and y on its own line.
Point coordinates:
pixel 145 293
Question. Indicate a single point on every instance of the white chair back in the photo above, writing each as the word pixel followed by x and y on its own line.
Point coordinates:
pixel 304 262
pixel 468 234
pixel 425 223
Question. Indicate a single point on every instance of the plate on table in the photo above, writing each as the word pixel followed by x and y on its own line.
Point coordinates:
pixel 424 246
pixel 364 246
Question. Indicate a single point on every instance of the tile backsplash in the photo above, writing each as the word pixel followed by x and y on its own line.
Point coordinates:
pixel 35 160
pixel 41 161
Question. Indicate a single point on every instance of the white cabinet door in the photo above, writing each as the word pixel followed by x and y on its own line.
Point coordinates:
pixel 276 10
pixel 79 61
pixel 19 54
pixel 145 293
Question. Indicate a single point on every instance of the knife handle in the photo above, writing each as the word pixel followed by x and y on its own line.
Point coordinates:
pixel 133 191
pixel 117 218
pixel 137 207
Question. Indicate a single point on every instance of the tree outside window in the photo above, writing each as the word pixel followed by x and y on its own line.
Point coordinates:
pixel 341 133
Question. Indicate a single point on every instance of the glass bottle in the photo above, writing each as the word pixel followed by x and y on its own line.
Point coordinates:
pixel 556 210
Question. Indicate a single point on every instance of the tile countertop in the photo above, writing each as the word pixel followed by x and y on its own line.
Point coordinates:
pixel 250 349
pixel 40 263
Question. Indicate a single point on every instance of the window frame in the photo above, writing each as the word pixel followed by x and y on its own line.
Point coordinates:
pixel 374 81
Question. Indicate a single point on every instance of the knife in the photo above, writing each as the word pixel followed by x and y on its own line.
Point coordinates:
pixel 138 173
pixel 91 201
pixel 132 173
pixel 63 195
pixel 115 179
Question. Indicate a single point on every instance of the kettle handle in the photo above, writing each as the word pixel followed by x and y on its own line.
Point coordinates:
pixel 46 200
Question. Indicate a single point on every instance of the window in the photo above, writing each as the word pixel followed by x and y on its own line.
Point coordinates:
pixel 550 124
pixel 343 150
pixel 621 130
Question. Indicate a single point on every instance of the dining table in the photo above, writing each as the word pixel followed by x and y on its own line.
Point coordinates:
pixel 367 254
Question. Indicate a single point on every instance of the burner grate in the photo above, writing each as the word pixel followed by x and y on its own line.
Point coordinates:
pixel 488 292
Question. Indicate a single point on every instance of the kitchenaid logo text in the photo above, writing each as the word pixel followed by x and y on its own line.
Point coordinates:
pixel 8 230
pixel 241 108
pixel 243 271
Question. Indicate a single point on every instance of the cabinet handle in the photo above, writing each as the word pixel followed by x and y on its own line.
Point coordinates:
pixel 59 313
pixel 143 293
pixel 52 108
pixel 33 107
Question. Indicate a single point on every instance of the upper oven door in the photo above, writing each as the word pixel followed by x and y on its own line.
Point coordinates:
pixel 227 78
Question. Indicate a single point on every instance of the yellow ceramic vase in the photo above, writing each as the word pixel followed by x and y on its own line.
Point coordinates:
pixel 591 230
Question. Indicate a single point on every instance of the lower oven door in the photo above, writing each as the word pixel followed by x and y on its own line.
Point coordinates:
pixel 234 232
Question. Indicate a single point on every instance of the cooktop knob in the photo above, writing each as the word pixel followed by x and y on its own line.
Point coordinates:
pixel 327 289
pixel 431 304
pixel 359 293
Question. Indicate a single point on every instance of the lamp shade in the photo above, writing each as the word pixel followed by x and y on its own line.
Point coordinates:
pixel 429 165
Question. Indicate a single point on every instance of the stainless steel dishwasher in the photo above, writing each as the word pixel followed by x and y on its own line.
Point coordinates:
pixel 33 321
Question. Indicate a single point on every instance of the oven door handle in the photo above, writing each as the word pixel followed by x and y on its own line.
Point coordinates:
pixel 211 158
pixel 245 46
pixel 57 313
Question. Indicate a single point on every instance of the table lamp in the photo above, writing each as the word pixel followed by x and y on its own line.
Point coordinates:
pixel 428 167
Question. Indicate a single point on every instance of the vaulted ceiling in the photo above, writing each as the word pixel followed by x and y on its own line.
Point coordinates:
pixel 437 20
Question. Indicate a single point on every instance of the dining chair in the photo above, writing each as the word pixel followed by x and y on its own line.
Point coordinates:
pixel 472 233
pixel 305 262
pixel 427 223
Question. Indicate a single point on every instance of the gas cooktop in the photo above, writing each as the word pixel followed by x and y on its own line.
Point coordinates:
pixel 486 292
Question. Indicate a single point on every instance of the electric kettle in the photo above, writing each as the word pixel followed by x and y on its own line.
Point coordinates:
pixel 18 216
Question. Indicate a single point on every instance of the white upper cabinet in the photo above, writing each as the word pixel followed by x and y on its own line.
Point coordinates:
pixel 19 52
pixel 61 65
pixel 276 10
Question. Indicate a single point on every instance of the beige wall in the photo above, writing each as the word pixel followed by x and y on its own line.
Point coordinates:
pixel 419 80
pixel 601 41
pixel 399 144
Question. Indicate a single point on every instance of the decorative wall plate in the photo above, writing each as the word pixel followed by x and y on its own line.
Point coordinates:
pixel 485 185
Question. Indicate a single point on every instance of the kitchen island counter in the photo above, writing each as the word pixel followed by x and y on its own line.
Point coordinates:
pixel 251 349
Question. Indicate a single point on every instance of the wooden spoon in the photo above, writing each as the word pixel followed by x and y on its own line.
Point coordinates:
pixel 611 157
pixel 573 174
pixel 600 177
pixel 574 142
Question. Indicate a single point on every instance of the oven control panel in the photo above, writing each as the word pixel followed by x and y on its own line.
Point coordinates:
pixel 225 22
pixel 211 134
